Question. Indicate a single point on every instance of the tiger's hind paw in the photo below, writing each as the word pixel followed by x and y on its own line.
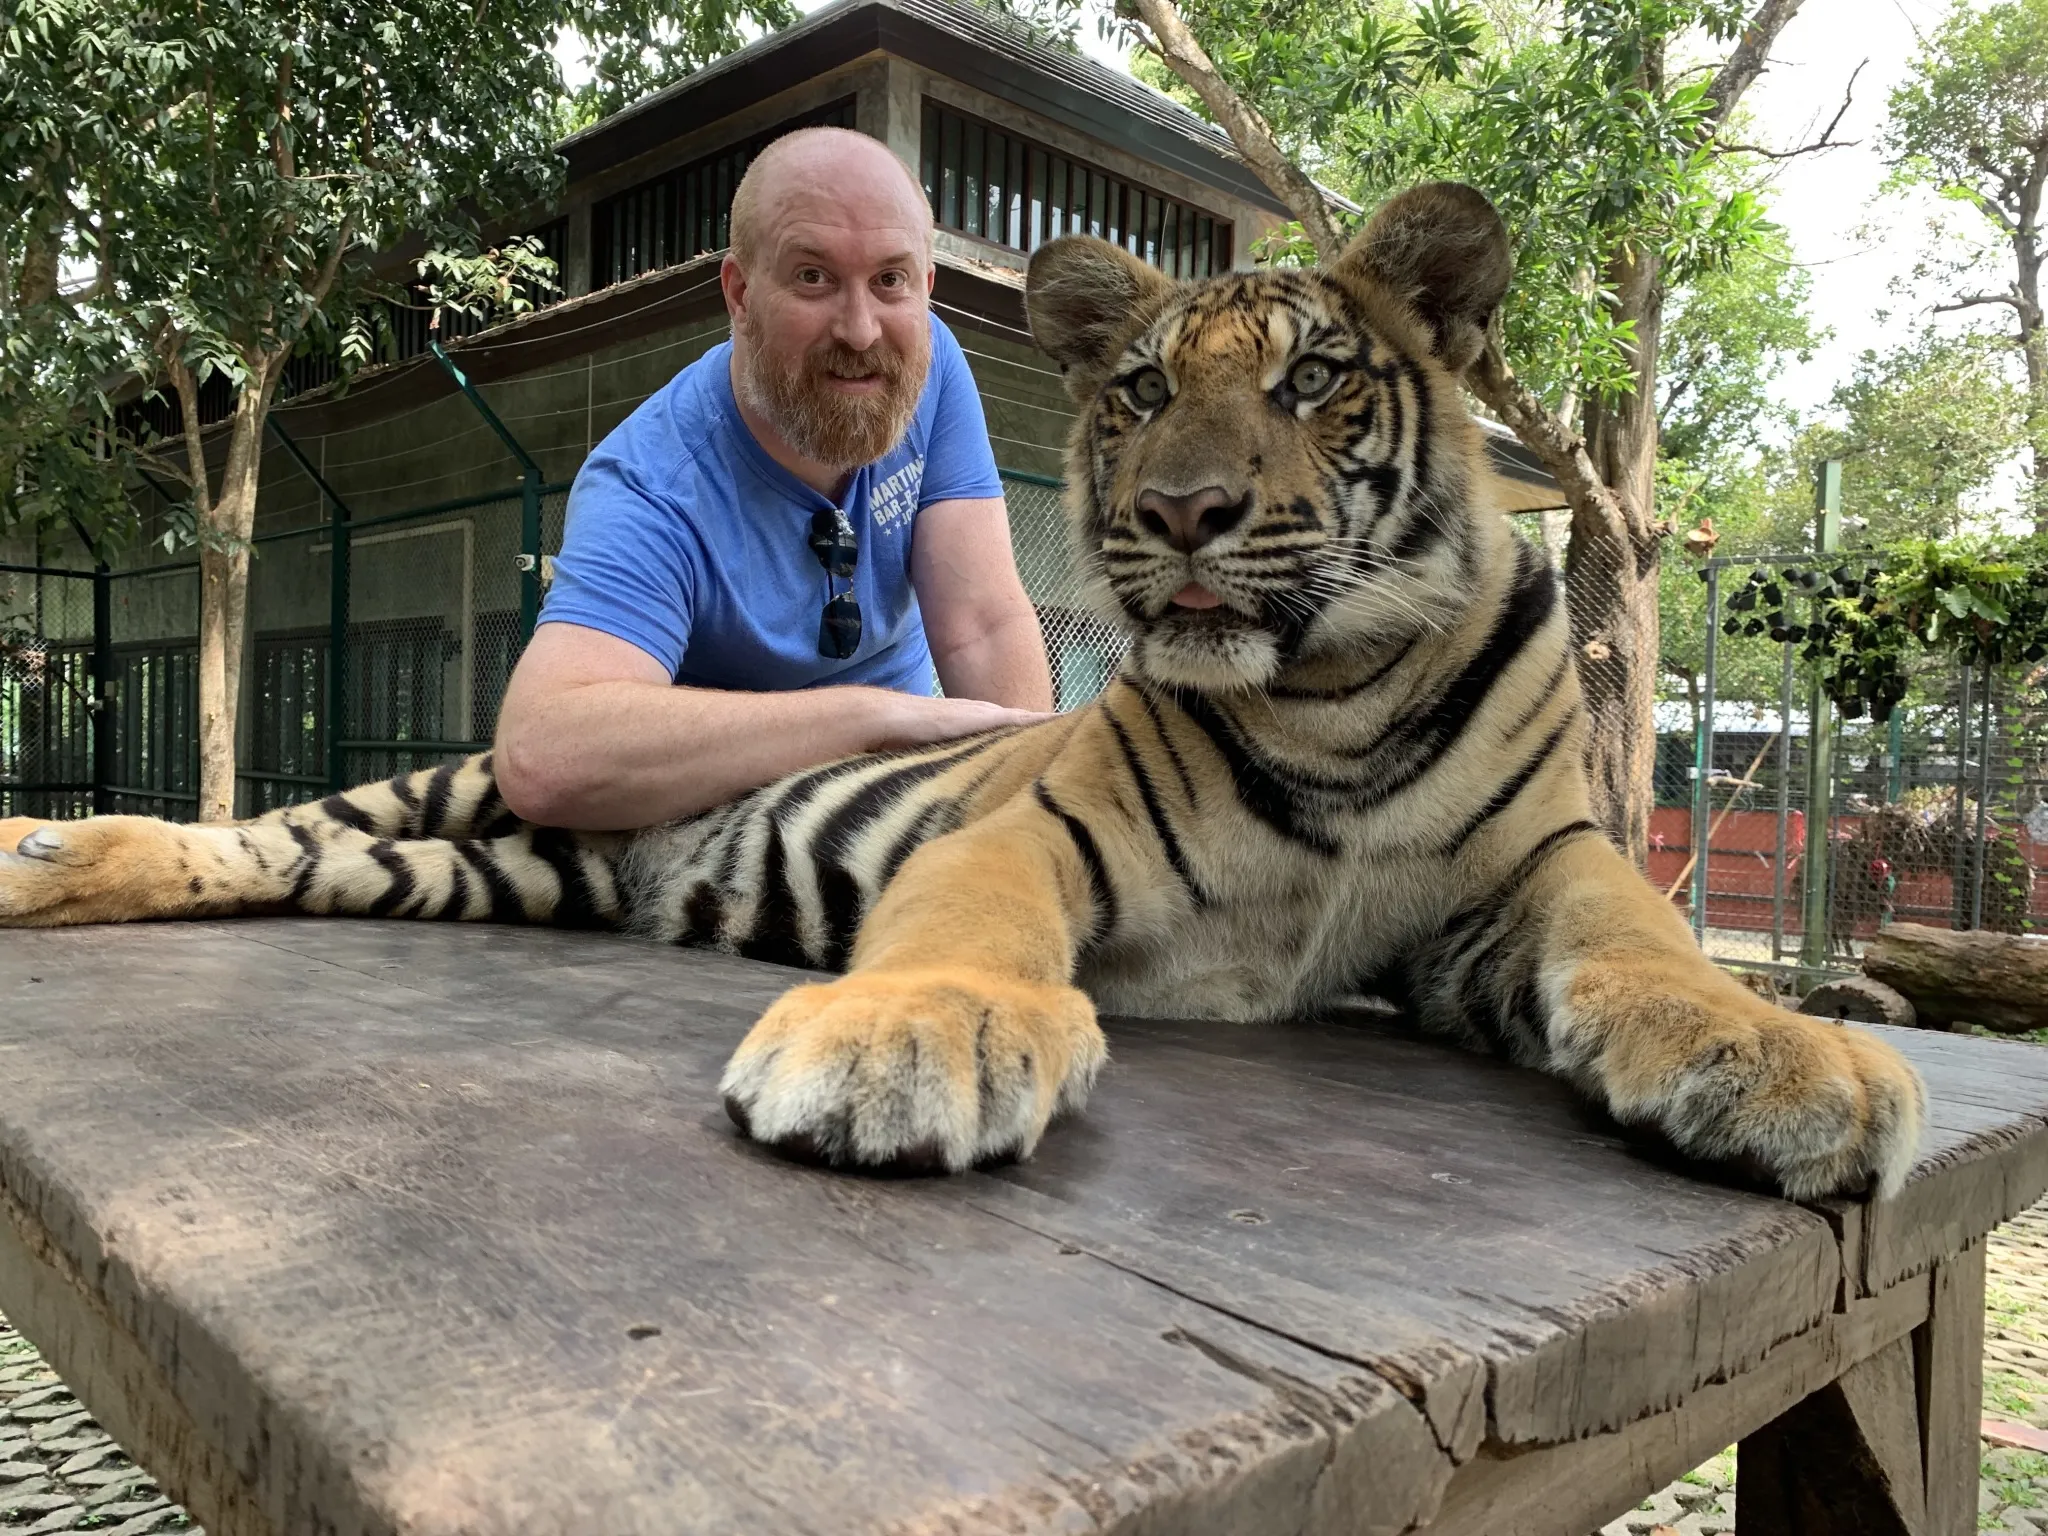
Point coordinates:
pixel 14 828
pixel 108 869
pixel 931 1071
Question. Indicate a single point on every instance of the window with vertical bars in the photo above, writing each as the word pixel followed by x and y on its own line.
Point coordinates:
pixel 687 211
pixel 984 181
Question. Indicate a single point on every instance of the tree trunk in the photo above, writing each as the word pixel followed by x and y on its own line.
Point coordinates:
pixel 1997 980
pixel 224 600
pixel 1611 573
pixel 2034 349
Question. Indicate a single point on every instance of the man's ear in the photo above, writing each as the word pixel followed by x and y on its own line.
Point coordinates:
pixel 1442 250
pixel 732 282
pixel 1086 298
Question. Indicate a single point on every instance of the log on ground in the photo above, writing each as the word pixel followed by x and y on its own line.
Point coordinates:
pixel 1997 980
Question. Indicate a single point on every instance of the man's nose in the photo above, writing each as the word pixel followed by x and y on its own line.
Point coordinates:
pixel 1189 522
pixel 857 323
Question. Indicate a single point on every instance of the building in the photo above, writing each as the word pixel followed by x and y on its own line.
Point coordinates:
pixel 1016 141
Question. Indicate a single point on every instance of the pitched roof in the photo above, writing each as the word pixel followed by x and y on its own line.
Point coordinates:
pixel 955 38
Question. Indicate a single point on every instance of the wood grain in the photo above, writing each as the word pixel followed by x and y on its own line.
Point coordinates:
pixel 1845 1461
pixel 1567 1490
pixel 436 1229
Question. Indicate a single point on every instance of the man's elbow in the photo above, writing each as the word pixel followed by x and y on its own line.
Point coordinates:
pixel 537 784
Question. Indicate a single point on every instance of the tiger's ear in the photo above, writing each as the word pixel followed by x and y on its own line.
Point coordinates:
pixel 1086 298
pixel 1442 250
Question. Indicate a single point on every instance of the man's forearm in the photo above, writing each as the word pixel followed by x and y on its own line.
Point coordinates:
pixel 1004 664
pixel 609 756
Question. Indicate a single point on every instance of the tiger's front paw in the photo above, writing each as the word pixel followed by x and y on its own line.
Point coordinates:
pixel 1822 1109
pixel 913 1071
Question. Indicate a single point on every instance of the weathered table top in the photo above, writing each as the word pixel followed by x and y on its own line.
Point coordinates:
pixel 374 1226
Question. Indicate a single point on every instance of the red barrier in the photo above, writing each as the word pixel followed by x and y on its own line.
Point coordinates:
pixel 1741 874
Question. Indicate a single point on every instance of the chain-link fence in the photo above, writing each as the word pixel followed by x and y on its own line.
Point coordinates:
pixel 1817 838
pixel 46 691
pixel 1083 650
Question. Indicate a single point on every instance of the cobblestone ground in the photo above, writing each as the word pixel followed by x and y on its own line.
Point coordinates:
pixel 60 1472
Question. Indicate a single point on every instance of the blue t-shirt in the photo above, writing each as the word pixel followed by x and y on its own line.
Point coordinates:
pixel 685 539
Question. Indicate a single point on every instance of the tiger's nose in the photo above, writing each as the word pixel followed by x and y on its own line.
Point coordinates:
pixel 1189 522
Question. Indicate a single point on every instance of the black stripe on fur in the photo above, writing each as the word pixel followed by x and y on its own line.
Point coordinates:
pixel 1099 886
pixel 1162 825
pixel 1260 790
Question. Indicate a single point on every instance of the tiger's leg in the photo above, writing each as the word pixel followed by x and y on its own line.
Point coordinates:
pixel 457 799
pixel 112 869
pixel 957 1033
pixel 1583 968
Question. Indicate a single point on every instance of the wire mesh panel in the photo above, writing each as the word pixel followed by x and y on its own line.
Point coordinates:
pixel 46 717
pixel 433 627
pixel 155 713
pixel 1084 651
pixel 282 756
pixel 1937 814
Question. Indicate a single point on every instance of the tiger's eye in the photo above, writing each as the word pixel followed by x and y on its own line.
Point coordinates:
pixel 1310 377
pixel 1148 388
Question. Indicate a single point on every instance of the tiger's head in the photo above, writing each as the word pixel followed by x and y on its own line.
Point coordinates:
pixel 1273 469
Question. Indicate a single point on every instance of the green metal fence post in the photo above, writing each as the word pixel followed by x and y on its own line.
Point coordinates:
pixel 529 494
pixel 1703 763
pixel 339 516
pixel 101 705
pixel 529 554
pixel 1820 730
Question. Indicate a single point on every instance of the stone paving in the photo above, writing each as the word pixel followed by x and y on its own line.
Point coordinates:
pixel 58 1469
pixel 60 1472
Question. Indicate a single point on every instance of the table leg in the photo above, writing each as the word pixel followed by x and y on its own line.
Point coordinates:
pixel 1948 1354
pixel 1890 1448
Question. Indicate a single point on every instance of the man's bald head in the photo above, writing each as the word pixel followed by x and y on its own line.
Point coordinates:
pixel 819 167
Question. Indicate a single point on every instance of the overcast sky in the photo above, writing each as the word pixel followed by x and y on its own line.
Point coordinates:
pixel 1855 245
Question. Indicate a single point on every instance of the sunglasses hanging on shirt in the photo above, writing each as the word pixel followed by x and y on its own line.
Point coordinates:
pixel 832 542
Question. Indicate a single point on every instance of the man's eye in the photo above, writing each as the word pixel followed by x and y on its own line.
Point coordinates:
pixel 1148 388
pixel 810 276
pixel 891 279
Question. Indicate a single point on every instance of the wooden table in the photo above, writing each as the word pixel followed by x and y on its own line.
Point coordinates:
pixel 356 1227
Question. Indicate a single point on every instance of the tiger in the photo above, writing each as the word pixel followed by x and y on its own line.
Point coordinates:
pixel 1344 753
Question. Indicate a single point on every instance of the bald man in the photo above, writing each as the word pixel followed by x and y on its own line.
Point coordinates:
pixel 767 561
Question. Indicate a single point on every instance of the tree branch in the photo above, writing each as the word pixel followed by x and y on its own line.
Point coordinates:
pixel 1748 60
pixel 1971 301
pixel 1562 450
pixel 1247 129
pixel 187 389
pixel 1827 139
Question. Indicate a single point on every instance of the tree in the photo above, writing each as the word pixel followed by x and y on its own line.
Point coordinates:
pixel 199 192
pixel 1721 468
pixel 638 46
pixel 1608 167
pixel 1925 427
pixel 1731 329
pixel 1971 122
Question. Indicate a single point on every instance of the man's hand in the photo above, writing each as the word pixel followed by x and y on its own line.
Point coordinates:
pixel 918 722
